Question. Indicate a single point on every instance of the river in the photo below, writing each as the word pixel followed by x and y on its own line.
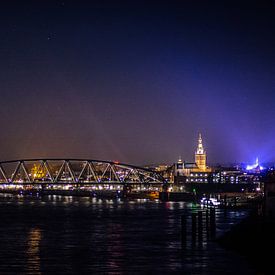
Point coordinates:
pixel 75 235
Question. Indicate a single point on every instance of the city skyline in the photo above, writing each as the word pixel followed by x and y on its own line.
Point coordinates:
pixel 137 137
pixel 137 82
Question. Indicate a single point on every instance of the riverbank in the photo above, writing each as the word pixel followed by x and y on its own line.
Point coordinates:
pixel 101 194
pixel 253 238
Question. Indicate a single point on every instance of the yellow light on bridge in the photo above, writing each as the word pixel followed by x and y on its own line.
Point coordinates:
pixel 38 172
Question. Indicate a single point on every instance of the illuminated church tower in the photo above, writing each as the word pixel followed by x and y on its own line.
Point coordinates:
pixel 200 156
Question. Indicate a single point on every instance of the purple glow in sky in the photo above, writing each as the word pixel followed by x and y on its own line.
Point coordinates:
pixel 136 81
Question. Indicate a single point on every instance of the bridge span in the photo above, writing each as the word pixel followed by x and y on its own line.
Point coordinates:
pixel 77 174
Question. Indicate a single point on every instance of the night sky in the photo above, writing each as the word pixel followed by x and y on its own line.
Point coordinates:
pixel 137 81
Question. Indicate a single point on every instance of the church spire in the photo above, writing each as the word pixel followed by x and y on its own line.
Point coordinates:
pixel 200 149
pixel 200 155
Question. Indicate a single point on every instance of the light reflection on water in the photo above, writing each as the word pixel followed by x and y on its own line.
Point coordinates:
pixel 75 235
pixel 33 251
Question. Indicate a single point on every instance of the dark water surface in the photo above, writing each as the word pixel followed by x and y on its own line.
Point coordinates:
pixel 72 235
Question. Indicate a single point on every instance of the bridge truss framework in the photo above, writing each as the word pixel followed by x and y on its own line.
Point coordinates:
pixel 74 171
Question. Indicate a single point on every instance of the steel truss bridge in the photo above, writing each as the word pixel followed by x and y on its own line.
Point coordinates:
pixel 76 173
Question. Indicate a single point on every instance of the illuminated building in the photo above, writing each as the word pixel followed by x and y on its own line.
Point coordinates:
pixel 165 170
pixel 200 158
pixel 200 155
pixel 196 177
pixel 237 179
pixel 256 167
pixel 196 172
pixel 179 168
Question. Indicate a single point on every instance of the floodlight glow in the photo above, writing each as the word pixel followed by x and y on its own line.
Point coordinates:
pixel 255 166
